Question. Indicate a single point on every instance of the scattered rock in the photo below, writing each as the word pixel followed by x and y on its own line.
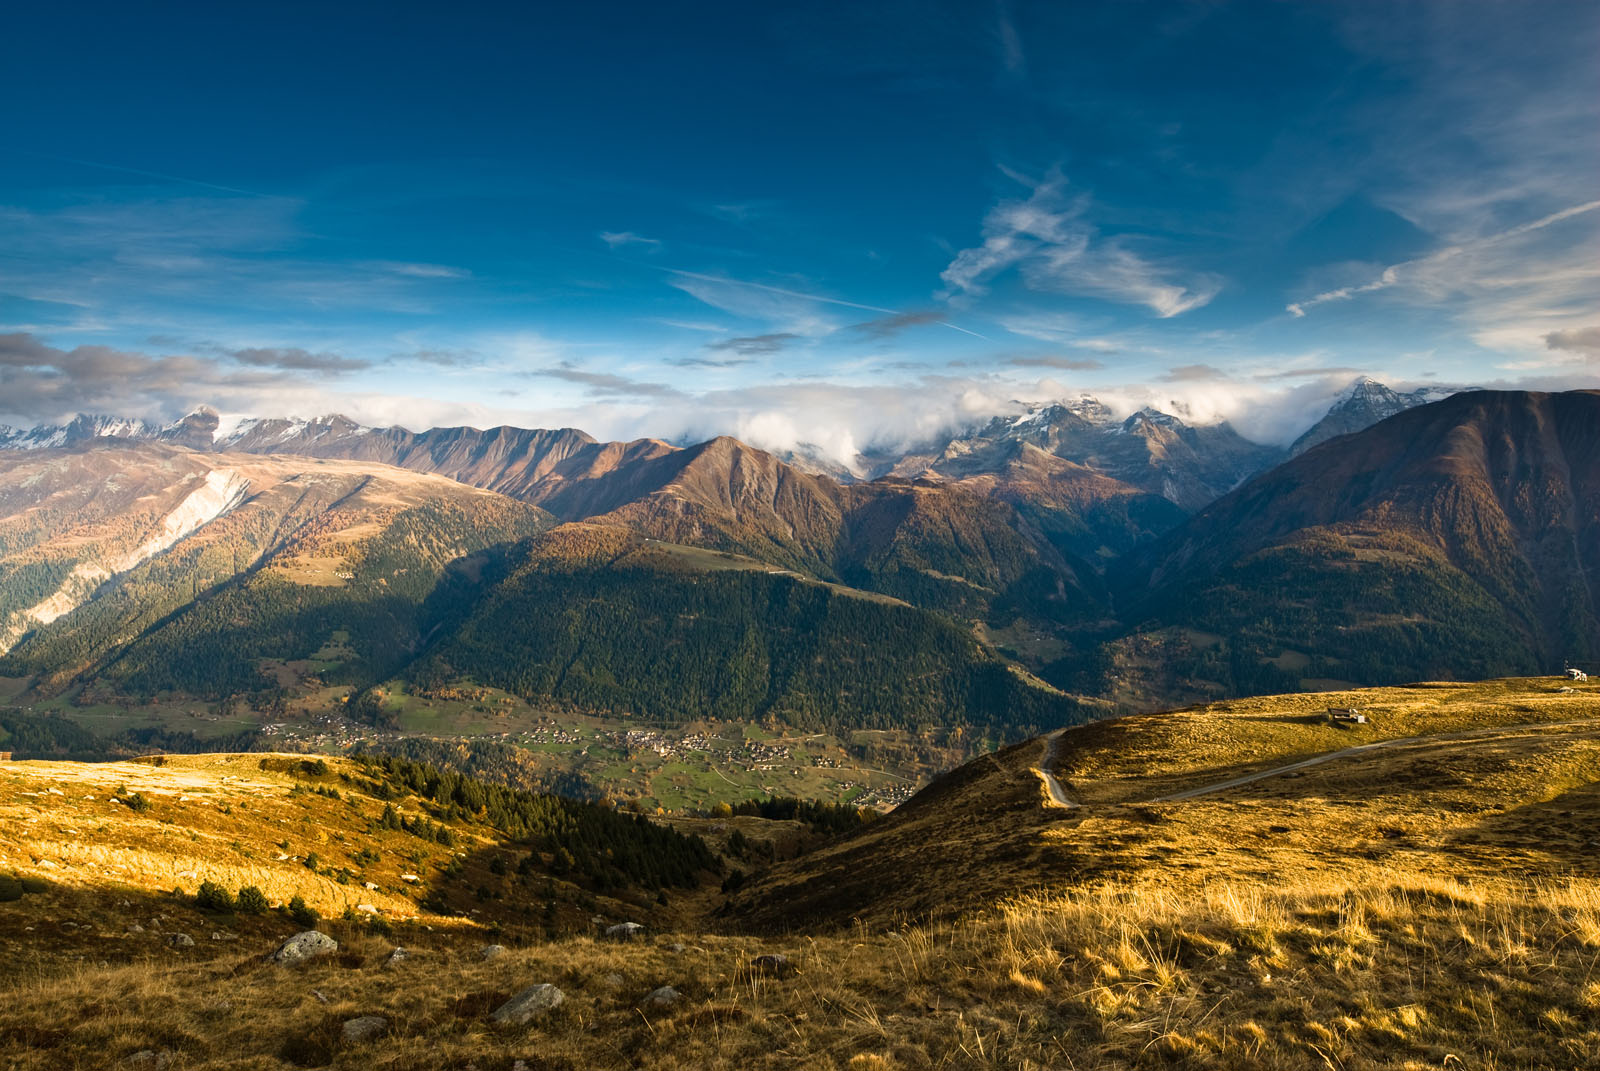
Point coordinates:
pixel 533 1001
pixel 399 955
pixel 492 951
pixel 774 963
pixel 663 997
pixel 136 928
pixel 304 946
pixel 613 980
pixel 218 935
pixel 364 1028
pixel 149 1060
pixel 624 931
pixel 181 940
pixel 370 909
pixel 412 878
pixel 677 947
pixel 370 886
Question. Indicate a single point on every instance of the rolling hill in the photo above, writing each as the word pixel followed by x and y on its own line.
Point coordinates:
pixel 598 618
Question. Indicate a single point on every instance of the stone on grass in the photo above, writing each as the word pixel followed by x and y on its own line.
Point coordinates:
pixel 774 963
pixel 399 955
pixel 533 1001
pixel 181 940
pixel 663 997
pixel 492 951
pixel 304 946
pixel 149 1060
pixel 624 931
pixel 364 1028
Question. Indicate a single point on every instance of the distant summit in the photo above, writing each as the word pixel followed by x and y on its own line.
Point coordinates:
pixel 1363 404
pixel 196 430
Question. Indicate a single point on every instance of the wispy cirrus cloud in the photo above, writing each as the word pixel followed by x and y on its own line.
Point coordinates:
pixel 619 239
pixel 1454 267
pixel 295 359
pixel 756 345
pixel 1064 364
pixel 418 271
pixel 607 384
pixel 1048 239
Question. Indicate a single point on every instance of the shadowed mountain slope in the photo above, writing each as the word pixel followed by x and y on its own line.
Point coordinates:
pixel 1460 538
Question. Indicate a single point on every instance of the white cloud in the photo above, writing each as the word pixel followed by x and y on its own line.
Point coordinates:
pixel 618 239
pixel 1477 263
pixel 1047 238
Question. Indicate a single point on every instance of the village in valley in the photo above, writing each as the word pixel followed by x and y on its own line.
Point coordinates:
pixel 678 769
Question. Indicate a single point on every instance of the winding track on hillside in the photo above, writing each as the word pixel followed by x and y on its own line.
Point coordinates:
pixel 1052 752
pixel 1058 797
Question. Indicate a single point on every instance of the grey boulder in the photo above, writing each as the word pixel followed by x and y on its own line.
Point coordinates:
pixel 531 1002
pixel 304 946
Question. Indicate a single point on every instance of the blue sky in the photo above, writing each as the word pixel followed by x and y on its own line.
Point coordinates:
pixel 849 224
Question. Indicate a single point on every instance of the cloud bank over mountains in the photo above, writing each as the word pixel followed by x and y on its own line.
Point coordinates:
pixel 41 383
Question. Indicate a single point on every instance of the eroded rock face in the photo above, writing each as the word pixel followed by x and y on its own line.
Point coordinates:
pixel 304 946
pixel 532 1002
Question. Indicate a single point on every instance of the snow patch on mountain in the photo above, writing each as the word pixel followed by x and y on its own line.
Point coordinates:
pixel 218 493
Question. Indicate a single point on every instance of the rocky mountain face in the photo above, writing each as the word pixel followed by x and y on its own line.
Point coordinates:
pixel 1363 404
pixel 180 565
pixel 1155 452
pixel 196 430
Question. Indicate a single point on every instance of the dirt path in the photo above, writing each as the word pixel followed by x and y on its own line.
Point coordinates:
pixel 1052 751
pixel 1317 760
pixel 1057 796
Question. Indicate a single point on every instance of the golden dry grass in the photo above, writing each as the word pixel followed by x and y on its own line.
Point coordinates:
pixel 1309 975
pixel 1433 905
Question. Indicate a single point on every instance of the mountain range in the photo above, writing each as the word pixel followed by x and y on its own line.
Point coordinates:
pixel 1029 564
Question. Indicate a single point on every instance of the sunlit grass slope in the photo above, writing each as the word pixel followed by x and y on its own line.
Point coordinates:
pixel 1430 903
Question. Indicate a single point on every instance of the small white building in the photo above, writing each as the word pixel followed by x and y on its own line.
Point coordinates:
pixel 1577 675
